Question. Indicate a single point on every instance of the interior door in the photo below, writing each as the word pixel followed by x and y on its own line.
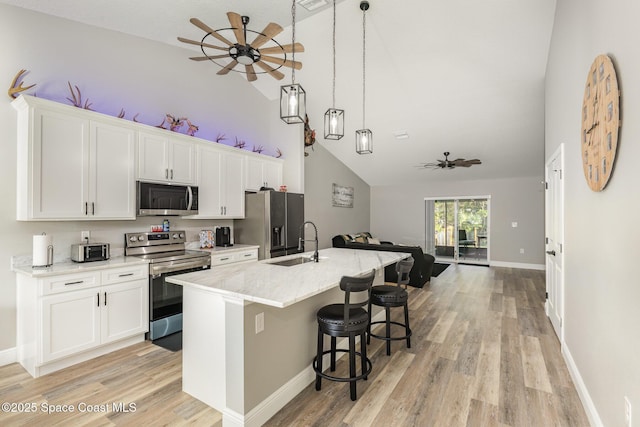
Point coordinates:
pixel 554 198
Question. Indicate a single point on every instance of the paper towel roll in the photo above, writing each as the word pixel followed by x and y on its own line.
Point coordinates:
pixel 42 250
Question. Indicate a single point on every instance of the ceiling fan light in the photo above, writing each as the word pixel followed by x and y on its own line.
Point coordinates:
pixel 333 124
pixel 364 141
pixel 293 103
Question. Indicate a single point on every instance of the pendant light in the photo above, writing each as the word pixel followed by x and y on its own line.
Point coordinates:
pixel 364 137
pixel 293 98
pixel 334 118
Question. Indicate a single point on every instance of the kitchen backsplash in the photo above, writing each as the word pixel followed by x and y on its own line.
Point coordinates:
pixel 112 232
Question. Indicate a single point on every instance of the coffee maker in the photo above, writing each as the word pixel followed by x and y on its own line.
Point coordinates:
pixel 223 237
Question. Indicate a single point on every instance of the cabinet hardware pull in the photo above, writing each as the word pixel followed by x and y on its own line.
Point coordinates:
pixel 246 255
pixel 86 208
pixel 125 275
pixel 105 298
pixel 93 208
pixel 224 259
pixel 171 173
pixel 166 173
pixel 98 298
pixel 74 283
pixel 551 253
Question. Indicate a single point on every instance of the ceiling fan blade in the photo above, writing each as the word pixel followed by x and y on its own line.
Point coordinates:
pixel 287 48
pixel 204 58
pixel 204 27
pixel 197 43
pixel 273 73
pixel 251 73
pixel 269 32
pixel 285 62
pixel 228 68
pixel 236 22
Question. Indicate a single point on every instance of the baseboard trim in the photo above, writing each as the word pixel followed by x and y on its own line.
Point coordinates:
pixel 587 403
pixel 8 356
pixel 278 399
pixel 521 265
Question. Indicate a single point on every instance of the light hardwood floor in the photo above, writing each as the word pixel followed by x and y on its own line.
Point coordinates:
pixel 483 354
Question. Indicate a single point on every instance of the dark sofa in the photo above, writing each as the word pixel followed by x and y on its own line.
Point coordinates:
pixel 423 263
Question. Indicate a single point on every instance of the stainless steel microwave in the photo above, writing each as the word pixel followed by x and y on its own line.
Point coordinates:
pixel 156 199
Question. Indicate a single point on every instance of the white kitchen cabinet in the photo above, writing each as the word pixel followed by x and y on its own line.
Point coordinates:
pixel 70 323
pixel 263 172
pixel 121 313
pixel 231 256
pixel 67 318
pixel 72 163
pixel 163 157
pixel 220 183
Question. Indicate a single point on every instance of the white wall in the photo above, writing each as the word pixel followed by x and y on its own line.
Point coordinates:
pixel 115 71
pixel 321 171
pixel 398 214
pixel 601 234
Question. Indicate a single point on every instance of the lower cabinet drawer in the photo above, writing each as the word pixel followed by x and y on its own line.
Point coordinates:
pixel 233 257
pixel 70 282
pixel 125 274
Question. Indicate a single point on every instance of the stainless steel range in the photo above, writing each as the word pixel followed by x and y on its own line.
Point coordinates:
pixel 167 256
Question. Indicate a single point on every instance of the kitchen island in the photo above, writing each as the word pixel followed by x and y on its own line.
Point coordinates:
pixel 249 330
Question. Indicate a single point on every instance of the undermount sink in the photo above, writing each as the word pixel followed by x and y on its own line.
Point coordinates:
pixel 292 261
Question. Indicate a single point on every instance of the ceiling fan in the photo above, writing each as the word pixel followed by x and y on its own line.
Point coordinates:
pixel 264 48
pixel 450 164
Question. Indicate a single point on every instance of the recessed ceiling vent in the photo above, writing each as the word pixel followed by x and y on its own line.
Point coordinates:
pixel 312 4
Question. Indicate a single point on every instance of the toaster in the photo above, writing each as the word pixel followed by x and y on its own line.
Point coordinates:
pixel 86 252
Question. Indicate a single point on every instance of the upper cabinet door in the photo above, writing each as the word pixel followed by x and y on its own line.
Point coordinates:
pixel 162 158
pixel 263 172
pixel 210 204
pixel 112 191
pixel 59 167
pixel 153 157
pixel 233 180
pixel 182 162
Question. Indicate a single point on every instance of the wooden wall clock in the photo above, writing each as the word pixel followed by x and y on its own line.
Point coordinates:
pixel 600 122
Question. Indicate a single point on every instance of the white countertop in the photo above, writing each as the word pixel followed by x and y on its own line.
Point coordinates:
pixel 226 249
pixel 70 267
pixel 280 286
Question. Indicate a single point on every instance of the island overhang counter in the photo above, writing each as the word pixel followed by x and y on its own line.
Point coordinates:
pixel 249 330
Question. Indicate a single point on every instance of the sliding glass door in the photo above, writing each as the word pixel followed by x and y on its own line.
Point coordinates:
pixel 457 230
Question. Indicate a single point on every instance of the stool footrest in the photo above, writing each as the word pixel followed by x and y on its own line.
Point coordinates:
pixel 382 322
pixel 343 379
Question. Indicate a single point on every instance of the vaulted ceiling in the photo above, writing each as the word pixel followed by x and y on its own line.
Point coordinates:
pixel 461 76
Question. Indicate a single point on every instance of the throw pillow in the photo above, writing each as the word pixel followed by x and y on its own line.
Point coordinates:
pixel 361 239
pixel 373 241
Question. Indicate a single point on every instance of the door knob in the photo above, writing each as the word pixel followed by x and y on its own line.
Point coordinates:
pixel 551 253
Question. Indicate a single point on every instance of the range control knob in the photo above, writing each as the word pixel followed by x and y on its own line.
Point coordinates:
pixel 182 235
pixel 175 235
pixel 133 238
pixel 140 238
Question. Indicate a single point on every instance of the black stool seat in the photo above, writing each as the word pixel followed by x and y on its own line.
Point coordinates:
pixel 388 296
pixel 331 318
pixel 345 320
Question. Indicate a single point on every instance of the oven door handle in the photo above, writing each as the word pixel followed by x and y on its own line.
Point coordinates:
pixel 157 270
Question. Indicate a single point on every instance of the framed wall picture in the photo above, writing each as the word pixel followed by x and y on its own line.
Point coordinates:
pixel 342 196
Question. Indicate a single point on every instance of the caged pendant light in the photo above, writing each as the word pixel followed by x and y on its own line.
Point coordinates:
pixel 293 98
pixel 334 118
pixel 364 137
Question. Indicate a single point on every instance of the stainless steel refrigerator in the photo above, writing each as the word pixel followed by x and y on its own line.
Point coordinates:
pixel 272 221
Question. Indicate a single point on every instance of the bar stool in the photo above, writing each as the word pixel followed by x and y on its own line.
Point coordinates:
pixel 345 320
pixel 388 296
